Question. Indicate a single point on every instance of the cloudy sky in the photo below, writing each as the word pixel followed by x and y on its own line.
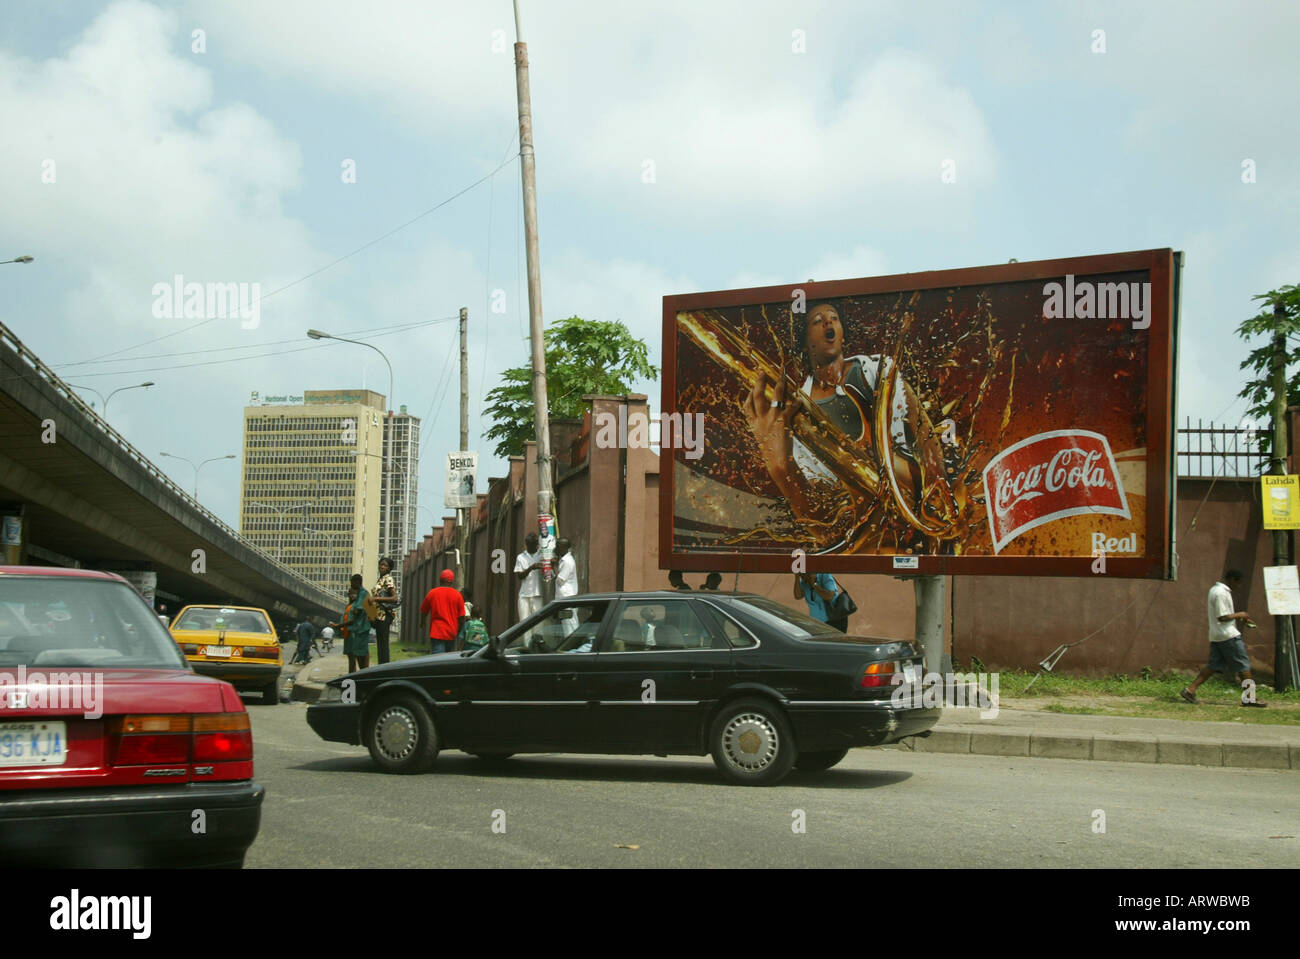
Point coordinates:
pixel 682 146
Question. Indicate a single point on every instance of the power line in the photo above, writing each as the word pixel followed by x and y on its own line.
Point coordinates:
pixel 241 359
pixel 375 331
pixel 313 273
pixel 425 422
pixel 487 280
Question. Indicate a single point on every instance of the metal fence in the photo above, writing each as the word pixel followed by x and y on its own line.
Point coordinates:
pixel 1207 449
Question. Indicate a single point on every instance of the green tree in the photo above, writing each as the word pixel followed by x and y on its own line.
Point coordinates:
pixel 582 357
pixel 1259 388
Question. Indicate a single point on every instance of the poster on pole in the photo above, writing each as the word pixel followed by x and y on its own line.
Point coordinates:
pixel 462 467
pixel 1280 499
pixel 1282 588
pixel 1012 419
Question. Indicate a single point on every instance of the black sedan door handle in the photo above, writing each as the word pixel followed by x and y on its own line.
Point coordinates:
pixel 701 674
pixel 570 676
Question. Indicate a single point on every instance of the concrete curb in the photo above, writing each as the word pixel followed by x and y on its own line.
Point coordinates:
pixel 307 692
pixel 1166 750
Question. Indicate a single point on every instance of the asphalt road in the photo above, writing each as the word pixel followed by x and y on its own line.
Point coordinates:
pixel 328 806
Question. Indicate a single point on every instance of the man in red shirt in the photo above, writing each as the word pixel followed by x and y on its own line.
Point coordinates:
pixel 446 609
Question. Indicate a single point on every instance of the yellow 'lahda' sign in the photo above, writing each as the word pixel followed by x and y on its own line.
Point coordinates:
pixel 1281 501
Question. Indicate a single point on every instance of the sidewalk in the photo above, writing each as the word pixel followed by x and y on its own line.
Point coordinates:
pixel 1029 732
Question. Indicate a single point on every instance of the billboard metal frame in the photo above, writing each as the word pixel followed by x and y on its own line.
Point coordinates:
pixel 1164 266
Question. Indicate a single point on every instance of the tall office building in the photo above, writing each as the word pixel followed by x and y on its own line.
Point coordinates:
pixel 312 481
pixel 397 534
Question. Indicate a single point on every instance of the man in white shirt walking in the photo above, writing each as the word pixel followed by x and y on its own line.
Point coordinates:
pixel 528 565
pixel 1227 650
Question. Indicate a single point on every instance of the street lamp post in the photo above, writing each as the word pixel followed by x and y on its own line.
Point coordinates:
pixel 92 390
pixel 279 541
pixel 387 471
pixel 18 259
pixel 138 386
pixel 229 456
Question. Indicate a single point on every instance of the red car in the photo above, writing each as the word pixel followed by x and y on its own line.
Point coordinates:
pixel 113 752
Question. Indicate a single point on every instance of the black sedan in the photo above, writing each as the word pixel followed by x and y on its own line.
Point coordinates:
pixel 759 686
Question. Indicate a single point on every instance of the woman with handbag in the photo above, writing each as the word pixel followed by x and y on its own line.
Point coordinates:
pixel 827 602
pixel 355 626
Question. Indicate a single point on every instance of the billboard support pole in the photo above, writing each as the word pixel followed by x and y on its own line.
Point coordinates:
pixel 929 620
pixel 1284 651
pixel 528 172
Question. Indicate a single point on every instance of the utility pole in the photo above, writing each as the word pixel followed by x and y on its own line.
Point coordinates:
pixel 462 529
pixel 545 493
pixel 1284 651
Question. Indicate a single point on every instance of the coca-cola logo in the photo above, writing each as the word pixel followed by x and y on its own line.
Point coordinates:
pixel 1050 476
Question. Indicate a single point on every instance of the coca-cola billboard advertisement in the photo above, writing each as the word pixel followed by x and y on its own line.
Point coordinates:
pixel 1004 419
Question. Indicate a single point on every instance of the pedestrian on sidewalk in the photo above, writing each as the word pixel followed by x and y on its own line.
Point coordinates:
pixel 326 640
pixel 527 570
pixel 566 581
pixel 468 596
pixel 1227 650
pixel 385 597
pixel 819 592
pixel 474 634
pixel 306 634
pixel 355 626
pixel 446 611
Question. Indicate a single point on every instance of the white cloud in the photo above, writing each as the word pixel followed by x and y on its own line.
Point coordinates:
pixel 734 122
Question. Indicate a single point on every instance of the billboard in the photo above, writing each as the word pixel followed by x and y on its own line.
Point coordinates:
pixel 1012 419
pixel 458 492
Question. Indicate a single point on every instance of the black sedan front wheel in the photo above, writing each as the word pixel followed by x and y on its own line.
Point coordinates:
pixel 752 742
pixel 817 761
pixel 401 735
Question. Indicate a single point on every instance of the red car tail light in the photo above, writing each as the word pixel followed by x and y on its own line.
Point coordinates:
pixel 880 674
pixel 148 740
pixel 189 649
pixel 222 737
pixel 176 739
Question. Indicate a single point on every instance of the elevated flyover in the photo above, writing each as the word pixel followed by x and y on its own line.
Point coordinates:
pixel 88 497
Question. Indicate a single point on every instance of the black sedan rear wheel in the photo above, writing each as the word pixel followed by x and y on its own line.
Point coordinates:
pixel 752 742
pixel 817 761
pixel 401 735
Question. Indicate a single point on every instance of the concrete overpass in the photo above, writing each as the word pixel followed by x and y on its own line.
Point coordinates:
pixel 89 497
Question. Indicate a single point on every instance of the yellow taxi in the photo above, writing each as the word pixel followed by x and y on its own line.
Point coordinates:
pixel 234 643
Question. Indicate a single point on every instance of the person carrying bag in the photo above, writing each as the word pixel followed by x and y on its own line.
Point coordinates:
pixel 827 601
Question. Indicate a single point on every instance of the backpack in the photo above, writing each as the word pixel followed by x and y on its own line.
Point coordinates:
pixel 476 634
